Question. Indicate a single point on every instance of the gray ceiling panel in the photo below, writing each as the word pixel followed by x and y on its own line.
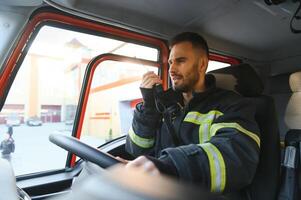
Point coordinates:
pixel 250 24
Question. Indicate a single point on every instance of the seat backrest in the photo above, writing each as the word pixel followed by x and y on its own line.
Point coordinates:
pixel 243 79
pixel 278 87
pixel 290 180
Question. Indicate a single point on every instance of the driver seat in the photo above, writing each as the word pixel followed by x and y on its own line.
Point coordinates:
pixel 244 80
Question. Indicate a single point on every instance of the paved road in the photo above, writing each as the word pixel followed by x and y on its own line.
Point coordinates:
pixel 34 152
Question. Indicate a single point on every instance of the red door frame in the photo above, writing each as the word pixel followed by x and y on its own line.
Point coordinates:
pixel 88 81
pixel 47 16
pixel 224 59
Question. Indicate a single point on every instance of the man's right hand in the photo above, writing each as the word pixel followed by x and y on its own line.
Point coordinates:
pixel 141 163
pixel 150 79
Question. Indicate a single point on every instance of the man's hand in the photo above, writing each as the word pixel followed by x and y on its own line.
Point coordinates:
pixel 141 164
pixel 149 79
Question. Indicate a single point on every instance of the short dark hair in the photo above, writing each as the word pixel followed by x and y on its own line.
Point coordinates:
pixel 195 39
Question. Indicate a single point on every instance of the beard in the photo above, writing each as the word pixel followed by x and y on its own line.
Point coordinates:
pixel 189 81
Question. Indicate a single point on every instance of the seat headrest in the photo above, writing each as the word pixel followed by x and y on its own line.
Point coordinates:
pixel 295 82
pixel 293 109
pixel 241 78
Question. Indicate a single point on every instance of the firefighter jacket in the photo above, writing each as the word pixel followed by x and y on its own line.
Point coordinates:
pixel 219 138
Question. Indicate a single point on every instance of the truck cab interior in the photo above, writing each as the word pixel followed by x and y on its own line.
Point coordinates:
pixel 76 65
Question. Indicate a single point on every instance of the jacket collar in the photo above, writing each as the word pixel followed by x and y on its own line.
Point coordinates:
pixel 197 96
pixel 210 87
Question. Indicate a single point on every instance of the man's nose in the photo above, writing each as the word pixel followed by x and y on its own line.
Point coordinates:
pixel 172 68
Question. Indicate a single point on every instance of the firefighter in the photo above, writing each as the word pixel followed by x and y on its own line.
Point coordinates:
pixel 215 140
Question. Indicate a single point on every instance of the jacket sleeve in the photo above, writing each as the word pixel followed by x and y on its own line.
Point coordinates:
pixel 228 160
pixel 141 137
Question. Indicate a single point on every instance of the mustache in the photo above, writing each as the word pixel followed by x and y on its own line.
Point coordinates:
pixel 175 75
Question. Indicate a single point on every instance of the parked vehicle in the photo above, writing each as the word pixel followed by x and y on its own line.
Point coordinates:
pixel 34 121
pixel 13 120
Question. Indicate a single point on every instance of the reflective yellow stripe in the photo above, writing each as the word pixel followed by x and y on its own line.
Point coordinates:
pixel 205 121
pixel 217 167
pixel 199 118
pixel 193 117
pixel 201 134
pixel 140 141
pixel 215 127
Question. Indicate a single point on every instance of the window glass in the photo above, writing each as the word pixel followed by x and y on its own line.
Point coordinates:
pixel 113 95
pixel 213 65
pixel 44 95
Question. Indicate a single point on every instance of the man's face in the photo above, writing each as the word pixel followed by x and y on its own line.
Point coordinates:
pixel 185 68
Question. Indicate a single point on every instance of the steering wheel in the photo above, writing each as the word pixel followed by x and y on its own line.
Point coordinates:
pixel 84 151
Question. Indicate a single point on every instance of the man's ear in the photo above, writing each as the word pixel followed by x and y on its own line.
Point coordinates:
pixel 203 63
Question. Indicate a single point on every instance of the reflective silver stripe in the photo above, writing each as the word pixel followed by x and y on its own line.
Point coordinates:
pixel 204 132
pixel 215 127
pixel 217 167
pixel 199 118
pixel 140 141
pixel 193 117
pixel 205 121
